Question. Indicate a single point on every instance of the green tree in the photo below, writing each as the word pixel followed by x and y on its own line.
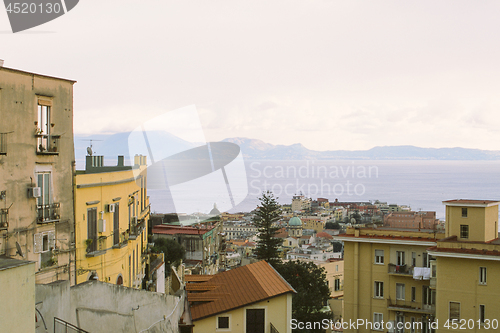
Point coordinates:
pixel 267 213
pixel 172 250
pixel 309 281
pixel 332 225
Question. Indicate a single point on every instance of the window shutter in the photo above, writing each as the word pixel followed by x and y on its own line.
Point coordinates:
pixel 52 240
pixel 37 243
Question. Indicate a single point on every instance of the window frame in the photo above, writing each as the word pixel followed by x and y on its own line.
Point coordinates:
pixel 379 259
pixel 482 315
pixel 379 321
pixel 217 323
pixel 401 290
pixel 483 276
pixel 378 291
pixel 413 294
pixel 464 212
pixel 400 258
pixel 449 310
pixel 464 231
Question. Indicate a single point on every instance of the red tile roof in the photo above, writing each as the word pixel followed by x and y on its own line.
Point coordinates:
pixel 324 235
pixel 236 288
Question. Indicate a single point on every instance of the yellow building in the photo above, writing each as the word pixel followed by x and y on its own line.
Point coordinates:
pixel 111 223
pixel 471 252
pixel 252 298
pixel 387 277
pixel 426 281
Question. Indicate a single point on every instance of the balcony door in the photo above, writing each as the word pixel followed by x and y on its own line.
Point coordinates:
pixel 44 201
pixel 116 225
pixel 256 321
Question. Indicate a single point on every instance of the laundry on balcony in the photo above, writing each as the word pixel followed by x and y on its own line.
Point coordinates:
pixel 421 273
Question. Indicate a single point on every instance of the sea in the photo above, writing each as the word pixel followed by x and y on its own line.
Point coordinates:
pixel 420 184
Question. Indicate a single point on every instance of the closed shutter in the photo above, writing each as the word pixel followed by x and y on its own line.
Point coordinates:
pixel 52 240
pixel 454 310
pixel 38 243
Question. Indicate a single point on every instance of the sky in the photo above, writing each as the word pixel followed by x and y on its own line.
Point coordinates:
pixel 328 74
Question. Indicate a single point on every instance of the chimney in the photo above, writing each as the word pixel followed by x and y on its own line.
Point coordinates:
pixel 1 63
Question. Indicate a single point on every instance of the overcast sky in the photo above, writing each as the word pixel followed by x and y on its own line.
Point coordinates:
pixel 328 74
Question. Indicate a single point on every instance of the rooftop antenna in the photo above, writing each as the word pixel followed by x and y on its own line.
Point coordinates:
pixel 89 149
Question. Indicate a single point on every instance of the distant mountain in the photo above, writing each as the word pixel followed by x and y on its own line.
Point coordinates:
pixel 164 144
pixel 259 150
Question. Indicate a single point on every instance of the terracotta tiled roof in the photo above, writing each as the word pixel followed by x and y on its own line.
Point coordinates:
pixel 423 239
pixel 236 288
pixel 324 235
pixel 469 201
pixel 465 251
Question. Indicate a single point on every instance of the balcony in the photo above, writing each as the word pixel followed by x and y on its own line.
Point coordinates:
pixel 403 270
pixel 409 306
pixel 136 228
pixel 4 218
pixel 47 144
pixel 48 213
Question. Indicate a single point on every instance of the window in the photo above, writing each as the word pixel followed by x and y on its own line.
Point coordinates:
pixel 482 275
pixel 400 323
pixel 43 127
pixel 44 241
pixel 414 259
pixel 92 229
pixel 379 256
pixel 400 258
pixel 379 289
pixel 377 321
pixel 337 284
pixel 412 325
pixel 454 311
pixel 223 322
pixel 481 314
pixel 43 202
pixel 413 294
pixel 464 212
pixel 464 231
pixel 3 143
pixel 400 291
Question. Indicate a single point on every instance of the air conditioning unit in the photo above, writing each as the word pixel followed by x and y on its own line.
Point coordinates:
pixel 110 208
pixel 34 192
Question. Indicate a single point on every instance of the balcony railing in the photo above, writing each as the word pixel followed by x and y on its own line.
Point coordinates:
pixel 47 144
pixel 136 228
pixel 273 329
pixel 4 218
pixel 409 306
pixel 61 326
pixel 400 269
pixel 48 213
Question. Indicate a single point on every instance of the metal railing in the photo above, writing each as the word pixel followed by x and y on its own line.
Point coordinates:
pixel 48 213
pixel 273 329
pixel 409 306
pixel 61 326
pixel 47 144
pixel 400 269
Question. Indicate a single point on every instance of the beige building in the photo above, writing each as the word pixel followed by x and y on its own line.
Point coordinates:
pixel 17 289
pixel 252 298
pixel 36 169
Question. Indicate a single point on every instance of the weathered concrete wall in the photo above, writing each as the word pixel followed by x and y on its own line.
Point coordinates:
pixel 17 295
pixel 99 307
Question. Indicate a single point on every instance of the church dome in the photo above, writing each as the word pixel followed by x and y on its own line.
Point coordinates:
pixel 214 210
pixel 295 222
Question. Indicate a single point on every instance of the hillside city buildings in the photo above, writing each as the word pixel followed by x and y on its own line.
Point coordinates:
pixel 76 246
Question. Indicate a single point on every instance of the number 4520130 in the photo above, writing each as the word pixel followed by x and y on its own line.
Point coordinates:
pixel 470 324
pixel 32 8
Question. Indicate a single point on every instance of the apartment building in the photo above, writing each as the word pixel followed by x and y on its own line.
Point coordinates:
pixel 387 277
pixel 467 266
pixel 411 220
pixel 421 281
pixel 112 215
pixel 36 172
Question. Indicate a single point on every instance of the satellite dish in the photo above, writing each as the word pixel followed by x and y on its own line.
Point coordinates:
pixel 19 250
pixel 89 151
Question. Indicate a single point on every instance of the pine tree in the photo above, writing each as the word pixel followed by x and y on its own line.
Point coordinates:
pixel 267 213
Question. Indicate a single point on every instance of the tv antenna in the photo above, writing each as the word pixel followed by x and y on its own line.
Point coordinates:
pixel 89 149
